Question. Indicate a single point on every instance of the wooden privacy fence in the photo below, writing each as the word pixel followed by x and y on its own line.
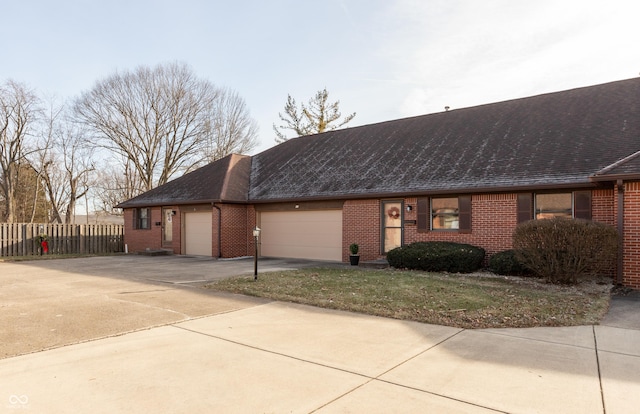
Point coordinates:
pixel 23 239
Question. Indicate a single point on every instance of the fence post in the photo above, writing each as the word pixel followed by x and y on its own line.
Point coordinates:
pixel 100 238
pixel 29 240
pixel 81 237
pixel 22 239
pixel 2 240
pixel 92 235
pixel 50 230
pixel 65 238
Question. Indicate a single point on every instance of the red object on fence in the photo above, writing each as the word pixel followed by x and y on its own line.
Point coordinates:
pixel 45 246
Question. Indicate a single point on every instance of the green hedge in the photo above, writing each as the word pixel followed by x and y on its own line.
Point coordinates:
pixel 507 263
pixel 437 257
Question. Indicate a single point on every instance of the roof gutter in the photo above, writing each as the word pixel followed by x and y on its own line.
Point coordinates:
pixel 179 203
pixel 614 177
pixel 593 182
pixel 421 193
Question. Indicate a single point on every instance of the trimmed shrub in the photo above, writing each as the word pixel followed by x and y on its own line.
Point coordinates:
pixel 564 250
pixel 507 263
pixel 437 257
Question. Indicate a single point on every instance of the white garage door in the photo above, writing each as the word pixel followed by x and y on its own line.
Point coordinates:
pixel 302 234
pixel 197 233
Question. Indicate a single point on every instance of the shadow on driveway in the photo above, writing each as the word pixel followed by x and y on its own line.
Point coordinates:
pixel 51 303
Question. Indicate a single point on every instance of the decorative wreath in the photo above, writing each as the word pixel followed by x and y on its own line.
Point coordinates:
pixel 394 212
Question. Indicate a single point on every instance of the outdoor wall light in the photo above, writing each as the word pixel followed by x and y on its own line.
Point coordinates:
pixel 173 212
pixel 256 235
pixel 409 208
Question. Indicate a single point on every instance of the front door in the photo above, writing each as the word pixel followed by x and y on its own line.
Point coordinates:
pixel 167 227
pixel 391 225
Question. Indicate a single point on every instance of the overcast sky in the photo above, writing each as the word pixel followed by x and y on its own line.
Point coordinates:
pixel 383 59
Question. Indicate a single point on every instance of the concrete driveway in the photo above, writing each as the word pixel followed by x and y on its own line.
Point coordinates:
pixel 47 304
pixel 138 339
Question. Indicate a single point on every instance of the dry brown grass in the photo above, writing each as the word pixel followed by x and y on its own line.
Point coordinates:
pixel 480 300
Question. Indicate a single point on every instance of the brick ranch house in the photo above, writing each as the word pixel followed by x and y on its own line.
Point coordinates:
pixel 466 175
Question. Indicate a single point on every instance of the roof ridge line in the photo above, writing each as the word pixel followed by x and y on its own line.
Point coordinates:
pixel 233 160
pixel 618 163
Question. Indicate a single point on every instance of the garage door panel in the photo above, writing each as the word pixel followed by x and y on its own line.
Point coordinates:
pixel 197 229
pixel 302 234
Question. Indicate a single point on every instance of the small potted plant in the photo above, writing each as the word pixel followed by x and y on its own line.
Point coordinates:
pixel 354 257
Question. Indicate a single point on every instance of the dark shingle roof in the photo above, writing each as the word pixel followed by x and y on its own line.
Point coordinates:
pixel 568 138
pixel 629 166
pixel 225 180
pixel 558 138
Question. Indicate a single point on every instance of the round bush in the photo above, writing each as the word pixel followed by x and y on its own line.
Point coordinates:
pixel 437 257
pixel 507 263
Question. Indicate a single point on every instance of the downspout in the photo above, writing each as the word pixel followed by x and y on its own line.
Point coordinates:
pixel 219 230
pixel 619 270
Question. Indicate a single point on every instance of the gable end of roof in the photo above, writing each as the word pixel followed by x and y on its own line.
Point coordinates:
pixel 224 180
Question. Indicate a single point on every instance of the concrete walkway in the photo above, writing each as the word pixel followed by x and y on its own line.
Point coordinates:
pixel 223 353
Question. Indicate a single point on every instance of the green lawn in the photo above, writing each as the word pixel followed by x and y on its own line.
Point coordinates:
pixel 466 301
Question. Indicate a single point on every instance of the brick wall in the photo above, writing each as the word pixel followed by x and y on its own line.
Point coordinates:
pixel 493 221
pixel 251 224
pixel 138 240
pixel 603 206
pixel 631 237
pixel 361 225
pixel 493 218
pixel 216 246
pixel 237 224
pixel 235 227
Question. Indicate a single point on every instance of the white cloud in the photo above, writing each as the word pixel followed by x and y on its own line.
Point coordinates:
pixel 468 52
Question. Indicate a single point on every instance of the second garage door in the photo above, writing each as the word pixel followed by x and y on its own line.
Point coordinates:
pixel 313 235
pixel 197 233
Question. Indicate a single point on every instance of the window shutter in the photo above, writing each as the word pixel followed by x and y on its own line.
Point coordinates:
pixel 135 218
pixel 423 215
pixel 464 214
pixel 582 204
pixel 525 207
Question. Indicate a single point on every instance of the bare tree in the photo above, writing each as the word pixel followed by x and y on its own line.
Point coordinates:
pixel 114 183
pixel 64 163
pixel 19 112
pixel 230 129
pixel 316 117
pixel 30 200
pixel 46 166
pixel 74 170
pixel 156 119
